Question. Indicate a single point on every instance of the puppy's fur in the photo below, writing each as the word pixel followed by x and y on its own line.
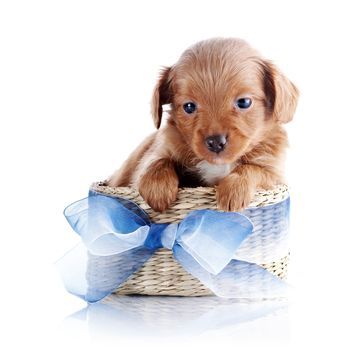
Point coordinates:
pixel 213 74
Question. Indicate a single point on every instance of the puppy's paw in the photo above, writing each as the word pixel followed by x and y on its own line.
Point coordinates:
pixel 159 185
pixel 234 193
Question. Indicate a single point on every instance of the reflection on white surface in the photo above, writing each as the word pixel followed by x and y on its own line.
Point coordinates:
pixel 164 316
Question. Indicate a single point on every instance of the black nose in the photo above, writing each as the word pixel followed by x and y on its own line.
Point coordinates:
pixel 216 143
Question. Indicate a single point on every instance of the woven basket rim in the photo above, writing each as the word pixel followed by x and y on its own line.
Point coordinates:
pixel 262 197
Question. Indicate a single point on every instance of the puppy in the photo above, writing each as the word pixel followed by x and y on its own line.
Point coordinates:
pixel 227 107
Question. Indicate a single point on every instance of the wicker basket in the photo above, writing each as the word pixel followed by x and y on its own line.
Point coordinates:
pixel 162 274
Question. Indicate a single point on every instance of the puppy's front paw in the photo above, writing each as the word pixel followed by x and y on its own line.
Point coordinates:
pixel 234 193
pixel 159 185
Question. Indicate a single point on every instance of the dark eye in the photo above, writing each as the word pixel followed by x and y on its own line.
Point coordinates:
pixel 244 103
pixel 189 107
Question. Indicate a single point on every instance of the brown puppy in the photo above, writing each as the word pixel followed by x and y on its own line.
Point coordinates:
pixel 224 127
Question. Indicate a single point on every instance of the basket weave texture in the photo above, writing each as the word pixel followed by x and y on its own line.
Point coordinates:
pixel 162 274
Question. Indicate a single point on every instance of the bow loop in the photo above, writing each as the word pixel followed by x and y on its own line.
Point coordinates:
pixel 212 238
pixel 107 226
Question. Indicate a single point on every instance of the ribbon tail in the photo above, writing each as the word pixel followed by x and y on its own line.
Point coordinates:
pixel 93 277
pixel 239 279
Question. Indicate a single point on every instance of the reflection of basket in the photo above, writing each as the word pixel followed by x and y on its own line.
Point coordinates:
pixel 162 274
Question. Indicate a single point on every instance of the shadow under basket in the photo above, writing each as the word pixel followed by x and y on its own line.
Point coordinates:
pixel 162 274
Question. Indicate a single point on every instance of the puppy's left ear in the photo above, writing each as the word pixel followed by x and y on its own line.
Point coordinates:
pixel 282 95
pixel 161 95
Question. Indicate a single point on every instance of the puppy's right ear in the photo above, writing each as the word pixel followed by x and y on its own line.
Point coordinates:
pixel 161 96
pixel 282 95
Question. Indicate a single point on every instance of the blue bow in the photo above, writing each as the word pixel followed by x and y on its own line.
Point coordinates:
pixel 118 238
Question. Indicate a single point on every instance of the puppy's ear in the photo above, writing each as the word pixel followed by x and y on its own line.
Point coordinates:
pixel 282 95
pixel 161 96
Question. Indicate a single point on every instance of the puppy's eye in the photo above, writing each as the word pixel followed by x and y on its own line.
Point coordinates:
pixel 243 103
pixel 189 107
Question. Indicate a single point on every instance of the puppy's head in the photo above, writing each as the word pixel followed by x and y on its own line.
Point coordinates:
pixel 224 98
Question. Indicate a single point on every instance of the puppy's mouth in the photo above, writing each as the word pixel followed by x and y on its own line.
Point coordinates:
pixel 219 149
pixel 218 159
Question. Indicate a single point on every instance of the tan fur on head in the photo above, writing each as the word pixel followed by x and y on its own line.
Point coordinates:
pixel 213 75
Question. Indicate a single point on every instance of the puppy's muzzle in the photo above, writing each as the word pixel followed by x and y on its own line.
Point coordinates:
pixel 216 143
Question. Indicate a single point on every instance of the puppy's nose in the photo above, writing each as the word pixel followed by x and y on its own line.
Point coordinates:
pixel 215 143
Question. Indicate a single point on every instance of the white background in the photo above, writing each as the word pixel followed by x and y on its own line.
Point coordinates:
pixel 75 83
